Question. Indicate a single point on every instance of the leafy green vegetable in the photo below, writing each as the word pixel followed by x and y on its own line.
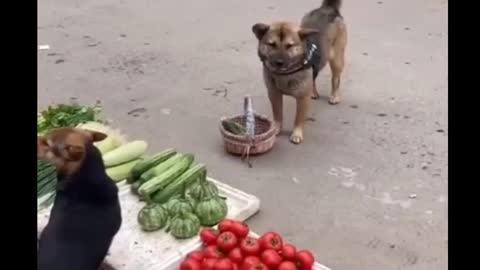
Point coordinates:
pixel 67 115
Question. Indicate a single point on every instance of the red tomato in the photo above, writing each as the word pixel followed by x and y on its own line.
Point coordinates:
pixel 288 252
pixel 190 264
pixel 209 263
pixel 240 229
pixel 208 236
pixel 236 255
pixel 213 252
pixel 250 246
pixel 286 265
pixel 235 266
pixel 196 255
pixel 223 264
pixel 271 240
pixel 250 261
pixel 271 258
pixel 258 266
pixel 305 260
pixel 226 241
pixel 225 225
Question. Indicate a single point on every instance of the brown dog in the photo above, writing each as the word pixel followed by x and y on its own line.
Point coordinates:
pixel 86 213
pixel 293 55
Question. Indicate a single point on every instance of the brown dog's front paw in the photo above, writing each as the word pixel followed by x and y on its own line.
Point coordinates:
pixel 296 137
pixel 278 128
pixel 334 100
pixel 315 96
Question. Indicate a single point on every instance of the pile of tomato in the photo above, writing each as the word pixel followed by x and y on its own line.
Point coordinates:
pixel 231 248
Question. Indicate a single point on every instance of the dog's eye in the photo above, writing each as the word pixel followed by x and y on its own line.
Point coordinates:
pixel 272 44
pixel 288 46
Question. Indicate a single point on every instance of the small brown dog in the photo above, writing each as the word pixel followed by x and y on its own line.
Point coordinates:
pixel 293 55
pixel 86 213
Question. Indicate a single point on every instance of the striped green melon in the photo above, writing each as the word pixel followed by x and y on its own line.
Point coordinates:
pixel 211 210
pixel 184 225
pixel 152 217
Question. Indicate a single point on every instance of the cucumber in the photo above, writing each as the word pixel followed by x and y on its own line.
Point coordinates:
pixel 162 180
pixel 185 180
pixel 148 163
pixel 160 168
pixel 134 187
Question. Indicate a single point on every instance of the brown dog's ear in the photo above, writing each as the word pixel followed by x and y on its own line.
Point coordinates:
pixel 75 153
pixel 95 135
pixel 42 146
pixel 306 32
pixel 260 29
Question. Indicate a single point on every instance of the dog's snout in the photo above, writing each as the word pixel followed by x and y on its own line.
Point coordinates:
pixel 278 63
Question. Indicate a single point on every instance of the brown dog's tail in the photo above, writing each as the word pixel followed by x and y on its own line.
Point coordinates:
pixel 334 4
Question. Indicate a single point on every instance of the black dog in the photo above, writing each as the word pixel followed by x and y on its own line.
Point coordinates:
pixel 86 213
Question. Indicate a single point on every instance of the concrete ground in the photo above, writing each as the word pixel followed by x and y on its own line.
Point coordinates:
pixel 368 188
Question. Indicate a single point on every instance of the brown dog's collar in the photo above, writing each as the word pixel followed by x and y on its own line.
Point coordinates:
pixel 306 64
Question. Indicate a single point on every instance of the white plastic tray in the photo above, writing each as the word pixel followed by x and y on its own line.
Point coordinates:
pixel 133 249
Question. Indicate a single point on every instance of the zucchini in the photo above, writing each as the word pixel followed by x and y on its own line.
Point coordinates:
pixel 125 153
pixel 162 180
pixel 160 168
pixel 149 163
pixel 120 172
pixel 185 180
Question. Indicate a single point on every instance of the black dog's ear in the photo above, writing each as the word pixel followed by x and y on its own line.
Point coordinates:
pixel 260 29
pixel 306 32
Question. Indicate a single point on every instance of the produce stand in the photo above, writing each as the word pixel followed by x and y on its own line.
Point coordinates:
pixel 134 249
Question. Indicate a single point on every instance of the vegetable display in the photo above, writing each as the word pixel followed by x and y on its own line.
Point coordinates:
pixel 170 182
pixel 229 248
pixel 173 184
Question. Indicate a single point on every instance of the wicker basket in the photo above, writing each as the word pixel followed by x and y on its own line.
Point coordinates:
pixel 264 136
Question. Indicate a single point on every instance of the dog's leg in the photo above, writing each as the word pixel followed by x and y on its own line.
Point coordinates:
pixel 337 62
pixel 276 99
pixel 336 65
pixel 315 94
pixel 300 117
